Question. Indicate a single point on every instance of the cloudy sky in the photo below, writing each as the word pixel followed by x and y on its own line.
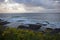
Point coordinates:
pixel 33 6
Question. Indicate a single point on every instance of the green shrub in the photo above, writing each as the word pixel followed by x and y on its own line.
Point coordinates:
pixel 24 34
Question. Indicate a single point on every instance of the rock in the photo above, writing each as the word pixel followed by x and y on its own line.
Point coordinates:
pixel 23 26
pixel 34 26
pixel 57 30
pixel 3 22
pixel 30 26
pixel 49 29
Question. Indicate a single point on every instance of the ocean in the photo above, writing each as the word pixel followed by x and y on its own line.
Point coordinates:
pixel 53 18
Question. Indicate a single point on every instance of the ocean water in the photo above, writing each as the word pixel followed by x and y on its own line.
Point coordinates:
pixel 52 18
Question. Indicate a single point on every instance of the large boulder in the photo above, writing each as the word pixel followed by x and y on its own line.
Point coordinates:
pixel 34 26
pixel 2 22
pixel 23 26
pixel 57 30
pixel 30 26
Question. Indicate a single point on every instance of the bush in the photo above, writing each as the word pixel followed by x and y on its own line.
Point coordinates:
pixel 21 34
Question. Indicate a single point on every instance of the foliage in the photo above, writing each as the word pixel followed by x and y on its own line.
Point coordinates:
pixel 24 34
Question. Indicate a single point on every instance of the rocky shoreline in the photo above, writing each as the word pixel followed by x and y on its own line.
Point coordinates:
pixel 35 27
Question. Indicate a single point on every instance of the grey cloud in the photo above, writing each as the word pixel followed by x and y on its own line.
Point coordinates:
pixel 1 0
pixel 48 5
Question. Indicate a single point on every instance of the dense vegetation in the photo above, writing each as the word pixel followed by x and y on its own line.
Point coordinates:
pixel 7 33
pixel 24 34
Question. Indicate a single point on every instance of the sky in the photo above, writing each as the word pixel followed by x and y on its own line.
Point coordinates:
pixel 29 6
